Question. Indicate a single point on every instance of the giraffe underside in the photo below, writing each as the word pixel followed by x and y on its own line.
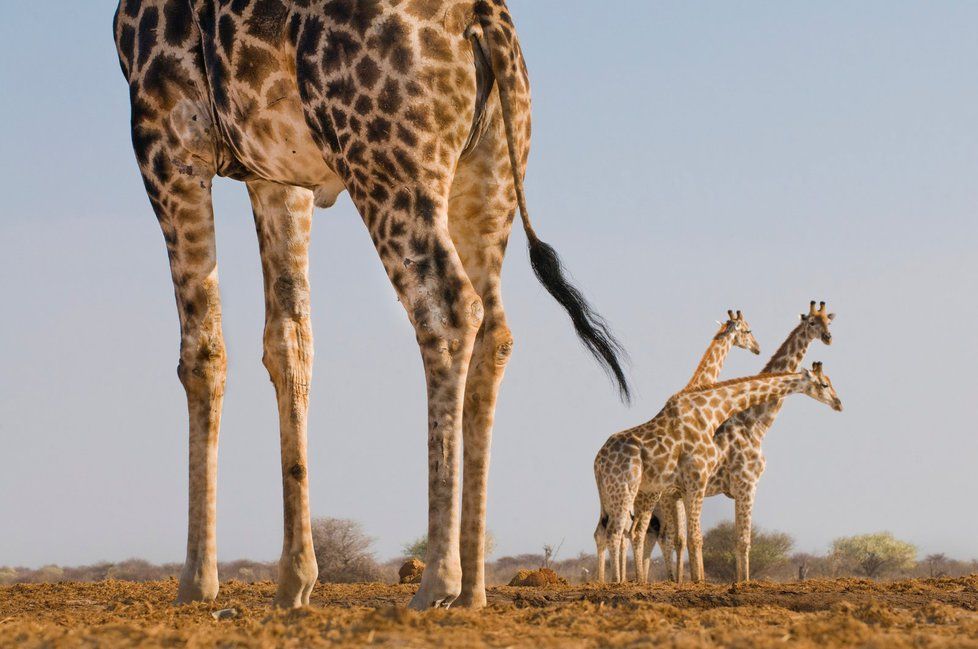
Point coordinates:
pixel 321 94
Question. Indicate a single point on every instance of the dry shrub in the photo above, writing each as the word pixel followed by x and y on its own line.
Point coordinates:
pixel 343 551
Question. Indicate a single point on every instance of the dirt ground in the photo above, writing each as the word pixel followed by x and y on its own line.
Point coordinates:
pixel 846 612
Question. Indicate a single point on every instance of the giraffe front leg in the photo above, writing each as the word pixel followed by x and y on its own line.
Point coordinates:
pixel 676 540
pixel 202 370
pixel 178 182
pixel 693 500
pixel 743 506
pixel 186 217
pixel 283 219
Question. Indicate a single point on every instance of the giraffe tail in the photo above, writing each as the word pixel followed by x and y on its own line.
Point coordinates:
pixel 488 34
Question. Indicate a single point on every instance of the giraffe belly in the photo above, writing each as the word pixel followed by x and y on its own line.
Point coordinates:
pixel 272 140
pixel 251 70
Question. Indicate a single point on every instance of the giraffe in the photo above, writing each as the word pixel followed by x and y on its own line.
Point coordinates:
pixel 420 110
pixel 667 524
pixel 739 438
pixel 735 332
pixel 676 450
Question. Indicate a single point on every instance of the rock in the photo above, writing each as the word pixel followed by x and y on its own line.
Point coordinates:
pixel 225 614
pixel 411 571
pixel 540 577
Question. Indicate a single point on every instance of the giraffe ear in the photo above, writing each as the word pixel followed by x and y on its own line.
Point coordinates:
pixel 831 316
pixel 804 317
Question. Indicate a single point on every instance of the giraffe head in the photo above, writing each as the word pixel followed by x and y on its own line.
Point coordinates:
pixel 737 327
pixel 819 387
pixel 817 321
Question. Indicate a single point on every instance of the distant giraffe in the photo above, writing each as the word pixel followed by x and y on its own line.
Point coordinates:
pixel 675 450
pixel 420 109
pixel 739 438
pixel 735 332
pixel 669 517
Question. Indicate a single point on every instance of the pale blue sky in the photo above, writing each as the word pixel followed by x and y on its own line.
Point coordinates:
pixel 688 158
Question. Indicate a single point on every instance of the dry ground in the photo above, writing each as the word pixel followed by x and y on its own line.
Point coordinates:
pixel 846 612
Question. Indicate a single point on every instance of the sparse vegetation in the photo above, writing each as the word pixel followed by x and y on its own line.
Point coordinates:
pixel 418 548
pixel 768 551
pixel 873 555
pixel 343 551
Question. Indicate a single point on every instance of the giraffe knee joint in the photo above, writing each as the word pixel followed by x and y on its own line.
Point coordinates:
pixel 203 361
pixel 291 294
pixel 503 349
pixel 476 312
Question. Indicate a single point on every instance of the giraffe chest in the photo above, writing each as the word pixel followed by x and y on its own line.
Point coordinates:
pixel 250 68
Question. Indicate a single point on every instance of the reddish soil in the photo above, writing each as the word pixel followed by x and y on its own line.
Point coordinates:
pixel 846 612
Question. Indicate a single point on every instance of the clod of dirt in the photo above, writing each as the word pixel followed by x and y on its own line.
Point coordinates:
pixel 411 571
pixel 871 613
pixel 539 577
pixel 938 613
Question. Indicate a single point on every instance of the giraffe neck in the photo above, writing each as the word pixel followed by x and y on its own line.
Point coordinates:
pixel 710 365
pixel 740 394
pixel 757 420
pixel 792 351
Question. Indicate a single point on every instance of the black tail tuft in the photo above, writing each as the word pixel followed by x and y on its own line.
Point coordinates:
pixel 591 327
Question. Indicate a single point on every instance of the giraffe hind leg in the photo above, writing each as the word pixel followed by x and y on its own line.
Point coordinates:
pixel 480 216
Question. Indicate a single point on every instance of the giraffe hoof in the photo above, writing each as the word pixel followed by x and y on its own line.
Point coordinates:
pixel 473 600
pixel 438 590
pixel 197 586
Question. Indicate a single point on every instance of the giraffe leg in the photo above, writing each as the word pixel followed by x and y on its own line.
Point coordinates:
pixel 283 219
pixel 644 504
pixel 652 537
pixel 447 313
pixel 623 556
pixel 601 546
pixel 677 536
pixel 175 157
pixel 202 371
pixel 694 509
pixel 617 524
pixel 743 506
pixel 188 227
pixel 480 214
pixel 666 534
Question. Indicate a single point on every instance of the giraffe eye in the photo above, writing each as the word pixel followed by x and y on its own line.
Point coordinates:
pixel 824 385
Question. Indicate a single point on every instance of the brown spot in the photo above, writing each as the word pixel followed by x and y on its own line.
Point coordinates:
pixel 298 472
